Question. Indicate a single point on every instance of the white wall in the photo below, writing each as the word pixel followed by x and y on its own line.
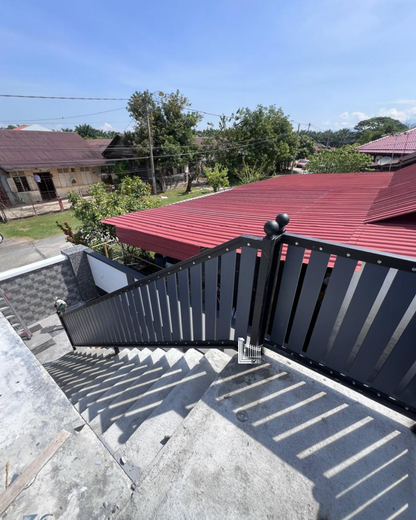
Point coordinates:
pixel 106 277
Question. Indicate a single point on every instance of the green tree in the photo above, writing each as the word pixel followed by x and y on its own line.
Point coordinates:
pixel 248 174
pixel 376 127
pixel 217 177
pixel 306 147
pixel 262 138
pixel 132 194
pixel 172 129
pixel 343 160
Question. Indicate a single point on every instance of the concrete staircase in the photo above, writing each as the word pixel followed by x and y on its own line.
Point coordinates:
pixel 136 400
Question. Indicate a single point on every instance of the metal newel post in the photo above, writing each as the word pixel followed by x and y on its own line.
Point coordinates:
pixel 268 272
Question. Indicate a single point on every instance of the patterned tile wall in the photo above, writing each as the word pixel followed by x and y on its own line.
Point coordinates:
pixel 33 294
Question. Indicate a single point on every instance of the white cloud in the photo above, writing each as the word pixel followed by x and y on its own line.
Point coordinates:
pixel 353 117
pixel 107 127
pixel 401 115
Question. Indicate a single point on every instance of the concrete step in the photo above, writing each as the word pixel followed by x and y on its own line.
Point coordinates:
pixel 87 396
pixel 148 358
pixel 119 433
pixel 66 366
pixel 119 406
pixel 97 376
pixel 143 446
pixel 79 367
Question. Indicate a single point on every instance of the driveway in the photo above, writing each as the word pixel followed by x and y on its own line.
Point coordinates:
pixel 17 252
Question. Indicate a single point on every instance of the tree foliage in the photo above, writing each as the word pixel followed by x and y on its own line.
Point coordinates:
pixel 262 138
pixel 172 128
pixel 343 160
pixel 217 177
pixel 89 132
pixel 376 127
pixel 132 194
pixel 248 174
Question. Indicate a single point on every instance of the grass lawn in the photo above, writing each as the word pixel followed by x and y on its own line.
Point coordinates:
pixel 38 227
pixel 45 226
pixel 179 195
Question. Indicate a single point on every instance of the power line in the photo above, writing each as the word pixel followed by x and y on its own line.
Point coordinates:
pixel 21 96
pixel 63 97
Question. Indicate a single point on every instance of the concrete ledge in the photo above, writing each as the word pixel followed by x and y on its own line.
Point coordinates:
pixel 81 481
pixel 12 273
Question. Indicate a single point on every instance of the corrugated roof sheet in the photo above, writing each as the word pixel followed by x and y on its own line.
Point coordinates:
pixel 397 199
pixel 402 143
pixel 99 145
pixel 331 207
pixel 20 150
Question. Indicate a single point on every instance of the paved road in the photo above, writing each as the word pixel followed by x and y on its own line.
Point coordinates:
pixel 17 252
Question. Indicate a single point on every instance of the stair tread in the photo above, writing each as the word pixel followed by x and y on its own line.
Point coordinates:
pixel 116 408
pixel 95 408
pixel 144 405
pixel 85 397
pixel 96 376
pixel 143 446
pixel 68 370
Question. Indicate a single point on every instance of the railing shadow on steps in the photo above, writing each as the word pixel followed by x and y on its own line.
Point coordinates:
pixel 345 311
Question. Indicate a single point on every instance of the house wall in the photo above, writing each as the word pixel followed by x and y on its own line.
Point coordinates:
pixel 62 181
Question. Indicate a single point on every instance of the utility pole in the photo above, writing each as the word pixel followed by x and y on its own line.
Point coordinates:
pixel 296 148
pixel 152 162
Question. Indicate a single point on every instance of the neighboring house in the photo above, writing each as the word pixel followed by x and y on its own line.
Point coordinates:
pixel 32 128
pixel 375 210
pixel 40 166
pixel 391 151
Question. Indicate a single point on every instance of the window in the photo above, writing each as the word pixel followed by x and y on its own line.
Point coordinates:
pixel 21 183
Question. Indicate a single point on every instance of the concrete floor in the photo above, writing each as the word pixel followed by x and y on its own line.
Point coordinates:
pixel 17 252
pixel 41 208
pixel 280 442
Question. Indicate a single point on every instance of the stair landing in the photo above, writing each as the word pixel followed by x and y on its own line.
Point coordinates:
pixel 279 441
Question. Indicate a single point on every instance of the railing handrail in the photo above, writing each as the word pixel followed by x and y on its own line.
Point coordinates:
pixel 232 245
pixel 391 260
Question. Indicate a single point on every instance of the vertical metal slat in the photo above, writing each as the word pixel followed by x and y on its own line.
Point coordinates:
pixel 286 293
pixel 185 303
pixel 245 290
pixel 148 311
pixel 154 299
pixel 164 307
pixel 369 284
pixel 174 308
pixel 211 289
pixel 196 301
pixel 226 295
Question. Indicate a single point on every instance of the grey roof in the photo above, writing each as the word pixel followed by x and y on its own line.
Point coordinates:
pixel 20 150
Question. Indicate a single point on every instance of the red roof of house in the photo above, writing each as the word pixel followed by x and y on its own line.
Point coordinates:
pixel 332 207
pixel 28 150
pixel 399 144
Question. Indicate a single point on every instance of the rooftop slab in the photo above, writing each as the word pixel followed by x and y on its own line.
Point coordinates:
pixel 279 441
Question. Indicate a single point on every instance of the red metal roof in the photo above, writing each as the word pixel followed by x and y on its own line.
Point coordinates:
pixel 20 150
pixel 100 145
pixel 331 207
pixel 402 143
pixel 398 199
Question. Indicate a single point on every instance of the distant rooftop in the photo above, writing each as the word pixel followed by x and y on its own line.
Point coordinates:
pixel 99 145
pixel 404 143
pixel 38 149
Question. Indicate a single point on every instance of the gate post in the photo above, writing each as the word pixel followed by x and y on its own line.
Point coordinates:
pixel 267 279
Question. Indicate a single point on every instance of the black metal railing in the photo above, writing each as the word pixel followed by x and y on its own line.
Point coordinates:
pixel 209 300
pixel 348 312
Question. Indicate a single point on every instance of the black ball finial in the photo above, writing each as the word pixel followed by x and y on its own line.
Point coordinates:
pixel 271 228
pixel 283 219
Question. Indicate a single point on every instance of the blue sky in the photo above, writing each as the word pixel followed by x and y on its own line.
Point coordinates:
pixel 327 62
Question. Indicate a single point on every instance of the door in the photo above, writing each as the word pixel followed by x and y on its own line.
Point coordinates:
pixel 46 186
